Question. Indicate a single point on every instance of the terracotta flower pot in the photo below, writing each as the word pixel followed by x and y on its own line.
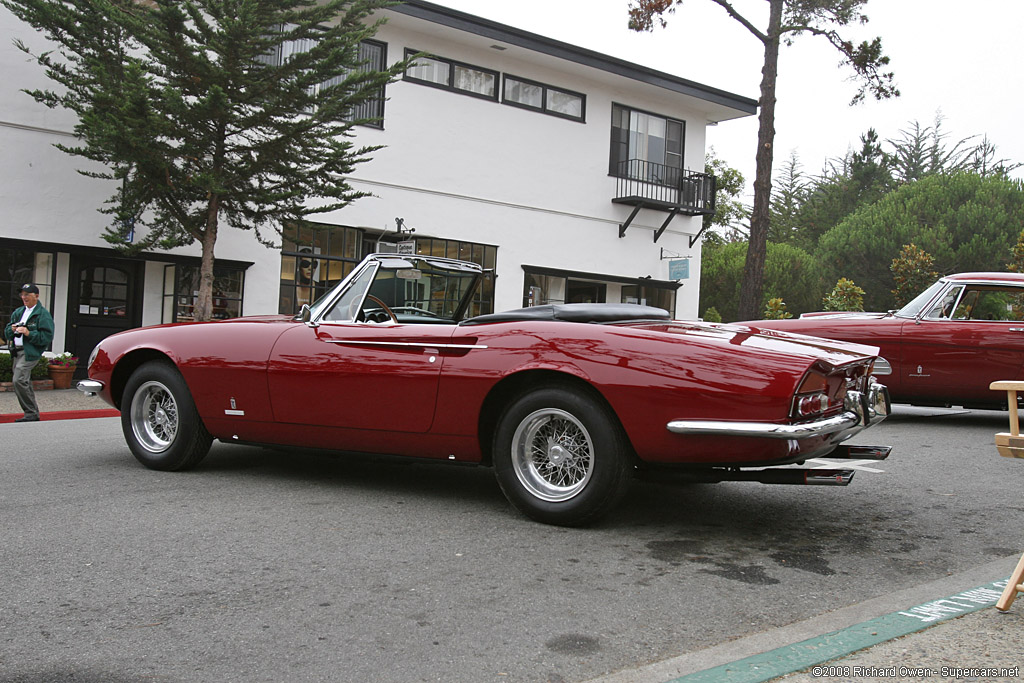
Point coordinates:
pixel 61 376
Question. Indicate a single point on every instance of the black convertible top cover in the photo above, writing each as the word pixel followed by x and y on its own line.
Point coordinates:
pixel 574 313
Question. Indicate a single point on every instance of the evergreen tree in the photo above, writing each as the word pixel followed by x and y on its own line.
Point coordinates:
pixel 212 112
pixel 789 192
pixel 966 222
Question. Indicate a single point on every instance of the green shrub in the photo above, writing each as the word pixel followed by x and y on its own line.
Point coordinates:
pixel 776 310
pixel 712 315
pixel 40 371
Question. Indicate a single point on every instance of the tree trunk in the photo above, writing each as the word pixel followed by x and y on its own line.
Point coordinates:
pixel 204 302
pixel 753 272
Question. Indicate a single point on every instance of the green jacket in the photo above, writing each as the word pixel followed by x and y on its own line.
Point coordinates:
pixel 40 325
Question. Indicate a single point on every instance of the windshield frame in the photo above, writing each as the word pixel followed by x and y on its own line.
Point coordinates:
pixel 393 262
pixel 919 304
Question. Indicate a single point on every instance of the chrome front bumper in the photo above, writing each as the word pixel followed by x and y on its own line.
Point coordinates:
pixel 861 411
pixel 90 387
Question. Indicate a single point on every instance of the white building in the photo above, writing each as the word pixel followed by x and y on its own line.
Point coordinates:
pixel 566 171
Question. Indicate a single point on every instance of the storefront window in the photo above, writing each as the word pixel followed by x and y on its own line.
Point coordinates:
pixel 19 267
pixel 658 297
pixel 181 289
pixel 314 258
pixel 548 286
pixel 481 254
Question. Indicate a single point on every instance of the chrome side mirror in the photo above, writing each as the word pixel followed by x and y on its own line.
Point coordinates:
pixel 306 316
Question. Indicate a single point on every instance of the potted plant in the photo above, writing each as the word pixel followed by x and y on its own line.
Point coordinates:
pixel 62 367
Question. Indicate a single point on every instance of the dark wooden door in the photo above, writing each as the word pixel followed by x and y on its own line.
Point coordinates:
pixel 104 297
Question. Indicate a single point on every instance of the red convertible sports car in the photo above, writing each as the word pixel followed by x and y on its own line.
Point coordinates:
pixel 946 346
pixel 564 401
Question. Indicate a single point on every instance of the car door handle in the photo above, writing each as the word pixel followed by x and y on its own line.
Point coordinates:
pixel 1017 329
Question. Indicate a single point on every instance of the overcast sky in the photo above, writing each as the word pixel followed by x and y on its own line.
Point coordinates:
pixel 961 59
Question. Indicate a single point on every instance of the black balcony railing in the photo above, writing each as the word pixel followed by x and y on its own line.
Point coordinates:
pixel 658 186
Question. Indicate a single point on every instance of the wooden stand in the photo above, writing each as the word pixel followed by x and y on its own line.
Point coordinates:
pixel 1015 586
pixel 1011 445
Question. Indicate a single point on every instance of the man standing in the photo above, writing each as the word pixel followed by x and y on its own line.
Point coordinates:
pixel 29 333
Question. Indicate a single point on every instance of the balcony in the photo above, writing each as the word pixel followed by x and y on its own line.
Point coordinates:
pixel 645 185
pixel 665 188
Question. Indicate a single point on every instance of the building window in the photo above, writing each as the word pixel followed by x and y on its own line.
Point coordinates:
pixel 314 258
pixel 482 254
pixel 181 289
pixel 372 57
pixel 646 146
pixel 544 286
pixel 646 295
pixel 24 266
pixel 450 75
pixel 519 92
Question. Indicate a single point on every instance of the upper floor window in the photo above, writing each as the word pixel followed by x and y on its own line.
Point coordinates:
pixel 520 92
pixel 646 146
pixel 372 57
pixel 451 75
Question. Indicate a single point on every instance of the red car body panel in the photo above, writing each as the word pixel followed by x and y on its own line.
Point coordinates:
pixel 421 389
pixel 935 360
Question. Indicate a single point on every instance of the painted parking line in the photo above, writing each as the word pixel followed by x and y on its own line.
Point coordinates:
pixel 821 649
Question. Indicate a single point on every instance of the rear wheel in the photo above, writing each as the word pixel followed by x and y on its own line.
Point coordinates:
pixel 160 421
pixel 560 456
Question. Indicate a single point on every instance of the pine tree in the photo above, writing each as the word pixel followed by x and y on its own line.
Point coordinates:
pixel 212 112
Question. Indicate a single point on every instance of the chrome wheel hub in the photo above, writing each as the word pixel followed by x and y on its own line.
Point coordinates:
pixel 154 417
pixel 552 454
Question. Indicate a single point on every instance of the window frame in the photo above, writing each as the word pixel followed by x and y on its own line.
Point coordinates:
pixel 544 107
pixel 613 153
pixel 450 85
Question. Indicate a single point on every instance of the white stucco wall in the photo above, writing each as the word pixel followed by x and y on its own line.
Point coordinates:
pixel 454 167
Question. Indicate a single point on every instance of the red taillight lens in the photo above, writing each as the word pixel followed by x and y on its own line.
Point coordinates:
pixel 814 404
pixel 813 396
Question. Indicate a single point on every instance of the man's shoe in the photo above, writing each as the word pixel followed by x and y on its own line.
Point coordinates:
pixel 28 418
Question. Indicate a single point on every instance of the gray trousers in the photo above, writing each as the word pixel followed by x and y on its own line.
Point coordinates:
pixel 23 384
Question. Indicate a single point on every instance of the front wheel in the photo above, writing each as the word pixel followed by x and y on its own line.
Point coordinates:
pixel 160 421
pixel 560 456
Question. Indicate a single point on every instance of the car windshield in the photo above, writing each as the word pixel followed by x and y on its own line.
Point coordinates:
pixel 913 309
pixel 404 289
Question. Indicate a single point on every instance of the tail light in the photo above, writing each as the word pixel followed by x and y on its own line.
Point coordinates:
pixel 818 394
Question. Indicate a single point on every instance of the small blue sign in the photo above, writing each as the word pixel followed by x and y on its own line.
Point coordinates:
pixel 679 269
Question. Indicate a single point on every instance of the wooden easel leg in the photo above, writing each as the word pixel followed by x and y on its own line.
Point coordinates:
pixel 1012 588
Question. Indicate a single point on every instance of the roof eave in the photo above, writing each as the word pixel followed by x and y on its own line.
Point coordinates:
pixel 462 21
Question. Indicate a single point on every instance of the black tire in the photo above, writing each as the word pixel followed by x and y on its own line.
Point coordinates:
pixel 160 421
pixel 560 456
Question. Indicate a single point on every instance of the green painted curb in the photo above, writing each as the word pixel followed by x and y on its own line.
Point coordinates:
pixel 825 648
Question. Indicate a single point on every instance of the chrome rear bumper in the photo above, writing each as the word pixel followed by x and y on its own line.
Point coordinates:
pixel 861 411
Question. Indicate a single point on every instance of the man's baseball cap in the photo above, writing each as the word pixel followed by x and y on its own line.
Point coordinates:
pixel 29 289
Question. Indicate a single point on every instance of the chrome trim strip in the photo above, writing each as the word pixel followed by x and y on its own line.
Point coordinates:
pixel 423 345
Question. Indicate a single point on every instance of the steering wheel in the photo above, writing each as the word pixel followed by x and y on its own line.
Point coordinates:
pixel 384 306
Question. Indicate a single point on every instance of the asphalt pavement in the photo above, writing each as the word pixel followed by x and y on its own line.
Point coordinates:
pixel 943 630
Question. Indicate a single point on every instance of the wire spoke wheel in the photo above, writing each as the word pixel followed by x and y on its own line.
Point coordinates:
pixel 154 417
pixel 159 419
pixel 552 454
